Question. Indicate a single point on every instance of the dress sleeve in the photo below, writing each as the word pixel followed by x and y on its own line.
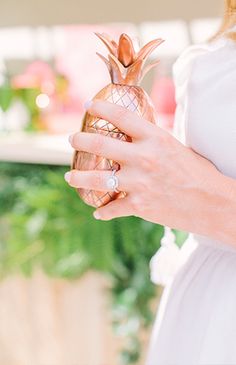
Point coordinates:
pixel 181 74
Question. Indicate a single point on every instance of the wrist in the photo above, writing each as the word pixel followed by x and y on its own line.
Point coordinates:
pixel 219 208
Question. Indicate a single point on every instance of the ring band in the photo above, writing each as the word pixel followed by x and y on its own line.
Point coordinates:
pixel 113 182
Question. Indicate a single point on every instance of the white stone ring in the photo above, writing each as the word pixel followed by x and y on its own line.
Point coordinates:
pixel 113 182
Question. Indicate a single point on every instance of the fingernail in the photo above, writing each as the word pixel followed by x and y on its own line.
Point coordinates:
pixel 67 176
pixel 71 138
pixel 87 104
pixel 96 215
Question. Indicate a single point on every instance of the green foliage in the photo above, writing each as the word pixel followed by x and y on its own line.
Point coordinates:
pixel 27 96
pixel 44 224
pixel 6 96
pixel 180 237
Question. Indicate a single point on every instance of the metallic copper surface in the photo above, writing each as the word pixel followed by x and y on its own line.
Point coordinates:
pixel 126 71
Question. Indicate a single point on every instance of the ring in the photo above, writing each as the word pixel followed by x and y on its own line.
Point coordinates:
pixel 113 182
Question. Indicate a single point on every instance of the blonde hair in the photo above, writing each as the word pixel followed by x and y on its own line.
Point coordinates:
pixel 229 20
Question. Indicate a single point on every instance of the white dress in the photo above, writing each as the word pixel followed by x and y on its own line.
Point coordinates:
pixel 196 319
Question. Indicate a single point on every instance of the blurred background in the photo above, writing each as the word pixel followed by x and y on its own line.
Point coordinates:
pixel 75 291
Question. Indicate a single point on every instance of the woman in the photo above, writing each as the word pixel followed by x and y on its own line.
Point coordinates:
pixel 188 184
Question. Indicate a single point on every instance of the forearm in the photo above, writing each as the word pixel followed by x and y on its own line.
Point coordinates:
pixel 217 209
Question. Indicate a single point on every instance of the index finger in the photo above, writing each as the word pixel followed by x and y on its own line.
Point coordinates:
pixel 127 121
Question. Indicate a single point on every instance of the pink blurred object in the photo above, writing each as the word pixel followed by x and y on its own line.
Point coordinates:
pixel 163 96
pixel 62 123
pixel 63 112
pixel 38 74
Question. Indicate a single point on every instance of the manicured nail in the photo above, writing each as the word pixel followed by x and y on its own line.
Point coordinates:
pixel 87 104
pixel 71 138
pixel 96 215
pixel 67 176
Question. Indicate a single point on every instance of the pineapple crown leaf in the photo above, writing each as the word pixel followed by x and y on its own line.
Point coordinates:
pixel 149 48
pixel 109 43
pixel 134 71
pixel 106 62
pixel 118 71
pixel 124 64
pixel 126 52
pixel 148 68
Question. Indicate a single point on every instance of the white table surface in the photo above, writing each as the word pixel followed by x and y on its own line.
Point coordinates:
pixel 35 148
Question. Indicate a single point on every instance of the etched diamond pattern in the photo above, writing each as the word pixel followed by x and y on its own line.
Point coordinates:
pixel 128 97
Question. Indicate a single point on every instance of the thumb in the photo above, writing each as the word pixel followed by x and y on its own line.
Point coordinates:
pixel 116 208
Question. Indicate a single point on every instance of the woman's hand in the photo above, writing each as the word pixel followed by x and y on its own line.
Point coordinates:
pixel 166 182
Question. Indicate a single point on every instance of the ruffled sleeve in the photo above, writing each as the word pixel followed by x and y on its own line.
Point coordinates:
pixel 181 72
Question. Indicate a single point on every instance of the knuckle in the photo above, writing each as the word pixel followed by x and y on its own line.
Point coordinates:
pixel 121 113
pixel 162 139
pixel 96 180
pixel 158 139
pixel 135 202
pixel 143 183
pixel 147 159
pixel 97 144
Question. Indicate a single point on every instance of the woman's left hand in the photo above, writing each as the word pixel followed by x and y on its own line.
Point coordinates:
pixel 166 182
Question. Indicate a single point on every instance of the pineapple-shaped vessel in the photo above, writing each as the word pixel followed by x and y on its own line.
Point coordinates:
pixel 126 68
